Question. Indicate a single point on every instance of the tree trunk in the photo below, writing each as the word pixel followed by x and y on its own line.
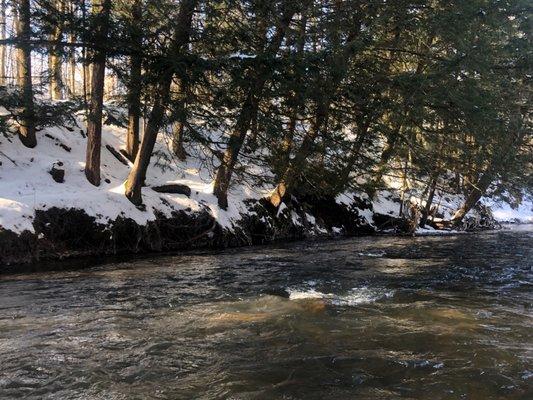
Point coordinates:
pixel 23 59
pixel 3 47
pixel 55 58
pixel 248 110
pixel 473 197
pixel 181 39
pixel 429 201
pixel 290 175
pixel 386 154
pixel 134 94
pixel 94 122
pixel 181 119
pixel 355 151
pixel 287 180
pixel 72 56
pixel 85 56
pixel 405 185
pixel 295 100
pixel 177 140
pixel 236 140
pixel 142 160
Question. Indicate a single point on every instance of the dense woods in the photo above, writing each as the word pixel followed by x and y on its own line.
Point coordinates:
pixel 327 96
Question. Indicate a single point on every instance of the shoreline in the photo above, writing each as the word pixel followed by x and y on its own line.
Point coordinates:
pixel 33 252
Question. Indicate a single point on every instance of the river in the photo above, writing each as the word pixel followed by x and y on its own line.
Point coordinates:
pixel 447 317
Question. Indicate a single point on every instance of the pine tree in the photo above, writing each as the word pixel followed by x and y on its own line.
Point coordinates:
pixel 100 13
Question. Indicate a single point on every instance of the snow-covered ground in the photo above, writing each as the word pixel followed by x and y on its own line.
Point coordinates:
pixel 503 212
pixel 26 184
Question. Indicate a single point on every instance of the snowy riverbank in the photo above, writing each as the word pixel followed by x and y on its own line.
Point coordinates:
pixel 40 213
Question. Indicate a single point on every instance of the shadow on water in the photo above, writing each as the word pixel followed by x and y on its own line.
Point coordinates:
pixel 369 318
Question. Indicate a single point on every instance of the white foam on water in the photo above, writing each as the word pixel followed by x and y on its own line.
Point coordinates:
pixel 356 296
pixel 295 294
pixel 376 254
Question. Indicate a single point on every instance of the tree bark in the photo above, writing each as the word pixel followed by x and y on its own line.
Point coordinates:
pixel 134 94
pixel 285 184
pixel 3 47
pixel 290 175
pixel 55 63
pixel 85 56
pixel 72 55
pixel 296 101
pixel 23 59
pixel 429 201
pixel 177 140
pixel 355 151
pixel 94 122
pixel 180 116
pixel 473 197
pixel 501 156
pixel 248 110
pixel 137 175
pixel 180 40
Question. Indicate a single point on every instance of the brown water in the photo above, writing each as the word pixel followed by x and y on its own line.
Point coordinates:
pixel 365 318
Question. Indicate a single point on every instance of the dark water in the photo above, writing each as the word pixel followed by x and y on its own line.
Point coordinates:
pixel 367 318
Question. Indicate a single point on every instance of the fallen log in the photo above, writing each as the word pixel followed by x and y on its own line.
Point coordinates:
pixel 174 188
pixel 117 154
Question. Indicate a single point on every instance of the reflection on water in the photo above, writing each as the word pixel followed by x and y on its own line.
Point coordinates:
pixel 372 318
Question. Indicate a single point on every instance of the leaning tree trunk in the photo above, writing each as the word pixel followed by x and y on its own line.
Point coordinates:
pixel 429 201
pixel 289 177
pixel 94 122
pixel 23 59
pixel 134 90
pixel 248 110
pixel 473 197
pixel 142 160
pixel 353 156
pixel 181 38
pixel 236 140
pixel 295 100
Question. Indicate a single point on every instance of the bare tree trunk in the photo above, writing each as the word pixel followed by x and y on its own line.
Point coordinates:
pixel 85 57
pixel 473 197
pixel 162 96
pixel 236 140
pixel 134 89
pixel 289 177
pixel 429 201
pixel 405 185
pixel 177 136
pixel 3 71
pixel 501 156
pixel 94 122
pixel 248 110
pixel 354 153
pixel 142 160
pixel 55 63
pixel 295 100
pixel 72 55
pixel 23 59
pixel 394 138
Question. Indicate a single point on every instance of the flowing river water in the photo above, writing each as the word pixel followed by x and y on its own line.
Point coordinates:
pixel 446 317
